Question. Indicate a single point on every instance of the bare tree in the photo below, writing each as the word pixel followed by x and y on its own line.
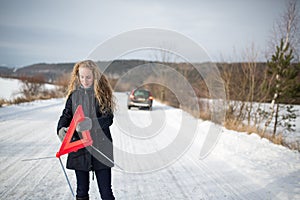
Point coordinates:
pixel 63 82
pixel 287 27
pixel 31 86
pixel 242 82
pixel 249 71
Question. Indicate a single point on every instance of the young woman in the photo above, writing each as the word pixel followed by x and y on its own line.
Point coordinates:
pixel 90 88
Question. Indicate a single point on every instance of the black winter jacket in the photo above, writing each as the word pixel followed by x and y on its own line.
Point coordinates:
pixel 87 159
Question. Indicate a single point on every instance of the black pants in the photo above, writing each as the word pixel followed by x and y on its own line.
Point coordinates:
pixel 103 179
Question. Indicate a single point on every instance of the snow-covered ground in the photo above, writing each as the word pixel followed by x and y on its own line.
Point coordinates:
pixel 290 139
pixel 240 166
pixel 10 88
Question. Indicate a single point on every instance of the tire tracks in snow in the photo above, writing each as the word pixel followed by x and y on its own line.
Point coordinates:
pixel 16 177
pixel 232 184
pixel 18 141
pixel 25 110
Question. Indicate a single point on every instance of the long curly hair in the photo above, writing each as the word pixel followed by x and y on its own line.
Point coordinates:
pixel 102 88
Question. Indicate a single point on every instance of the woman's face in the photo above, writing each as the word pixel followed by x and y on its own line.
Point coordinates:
pixel 86 77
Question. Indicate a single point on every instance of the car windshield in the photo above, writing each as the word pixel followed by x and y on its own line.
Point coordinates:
pixel 141 93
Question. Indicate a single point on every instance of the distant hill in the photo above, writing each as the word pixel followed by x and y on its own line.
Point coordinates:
pixel 232 73
pixel 114 70
pixel 5 71
pixel 51 72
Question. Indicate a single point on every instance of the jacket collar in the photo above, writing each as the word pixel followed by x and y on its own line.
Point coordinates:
pixel 89 90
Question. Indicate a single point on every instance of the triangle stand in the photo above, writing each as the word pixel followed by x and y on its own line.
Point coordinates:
pixel 67 146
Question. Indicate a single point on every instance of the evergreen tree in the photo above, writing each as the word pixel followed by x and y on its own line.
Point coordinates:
pixel 284 88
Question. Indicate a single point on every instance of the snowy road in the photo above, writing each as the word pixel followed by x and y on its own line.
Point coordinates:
pixel 240 166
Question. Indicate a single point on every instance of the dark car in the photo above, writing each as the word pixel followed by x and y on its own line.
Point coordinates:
pixel 140 98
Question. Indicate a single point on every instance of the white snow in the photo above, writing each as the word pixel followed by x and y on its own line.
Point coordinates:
pixel 240 166
pixel 10 88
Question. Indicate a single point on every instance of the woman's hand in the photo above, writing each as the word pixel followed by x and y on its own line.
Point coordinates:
pixel 62 133
pixel 85 125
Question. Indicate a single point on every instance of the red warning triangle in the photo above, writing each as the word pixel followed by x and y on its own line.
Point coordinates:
pixel 67 146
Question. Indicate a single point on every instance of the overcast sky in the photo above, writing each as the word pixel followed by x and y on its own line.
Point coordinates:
pixel 33 31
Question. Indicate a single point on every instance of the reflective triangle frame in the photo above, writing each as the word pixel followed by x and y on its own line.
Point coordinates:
pixel 67 146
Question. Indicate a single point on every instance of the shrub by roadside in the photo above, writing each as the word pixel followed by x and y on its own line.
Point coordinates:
pixel 46 94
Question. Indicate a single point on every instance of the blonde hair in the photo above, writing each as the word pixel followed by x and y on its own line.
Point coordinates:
pixel 102 88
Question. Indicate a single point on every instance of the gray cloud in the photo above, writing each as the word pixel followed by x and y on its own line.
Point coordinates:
pixel 56 31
